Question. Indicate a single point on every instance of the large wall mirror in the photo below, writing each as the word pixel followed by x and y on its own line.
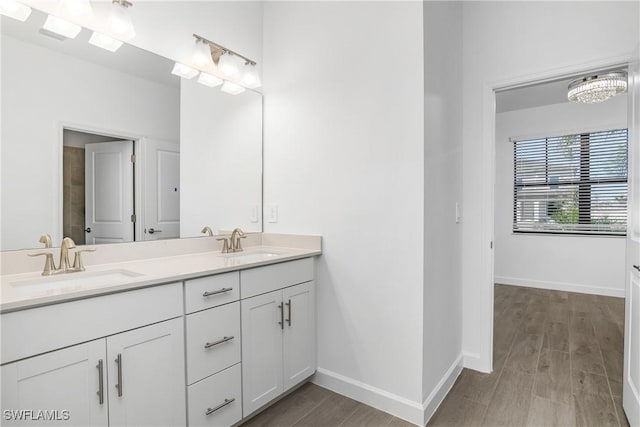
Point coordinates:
pixel 109 147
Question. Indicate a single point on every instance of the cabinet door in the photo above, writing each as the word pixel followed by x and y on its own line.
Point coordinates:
pixel 299 333
pixel 261 350
pixel 146 376
pixel 66 383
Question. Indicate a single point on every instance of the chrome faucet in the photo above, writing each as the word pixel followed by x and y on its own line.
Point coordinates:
pixel 207 230
pixel 67 243
pixel 235 244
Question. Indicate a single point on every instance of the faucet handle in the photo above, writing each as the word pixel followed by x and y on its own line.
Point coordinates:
pixel 77 259
pixel 49 266
pixel 238 244
pixel 225 244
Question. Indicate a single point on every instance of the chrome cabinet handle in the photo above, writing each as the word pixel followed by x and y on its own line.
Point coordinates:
pixel 100 392
pixel 220 341
pixel 220 406
pixel 637 267
pixel 119 384
pixel 281 322
pixel 289 319
pixel 219 291
pixel 153 230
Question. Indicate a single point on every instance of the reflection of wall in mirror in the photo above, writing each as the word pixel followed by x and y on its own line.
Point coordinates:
pixel 221 160
pixel 41 91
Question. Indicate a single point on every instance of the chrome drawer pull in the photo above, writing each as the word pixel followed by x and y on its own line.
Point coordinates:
pixel 289 305
pixel 221 291
pixel 224 339
pixel 220 406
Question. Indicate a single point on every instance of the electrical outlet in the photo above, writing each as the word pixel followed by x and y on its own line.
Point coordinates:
pixel 457 213
pixel 254 213
pixel 272 211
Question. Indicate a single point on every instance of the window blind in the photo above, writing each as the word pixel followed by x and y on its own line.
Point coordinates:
pixel 574 184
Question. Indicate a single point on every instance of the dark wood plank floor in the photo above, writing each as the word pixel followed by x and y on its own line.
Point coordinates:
pixel 557 362
pixel 311 405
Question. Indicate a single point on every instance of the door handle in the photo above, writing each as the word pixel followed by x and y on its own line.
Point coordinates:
pixel 289 306
pixel 637 267
pixel 153 230
pixel 119 384
pixel 100 393
pixel 87 230
pixel 281 322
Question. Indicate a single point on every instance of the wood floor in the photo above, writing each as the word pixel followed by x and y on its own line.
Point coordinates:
pixel 557 362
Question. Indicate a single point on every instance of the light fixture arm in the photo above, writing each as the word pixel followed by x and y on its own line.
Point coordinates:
pixel 123 3
pixel 221 49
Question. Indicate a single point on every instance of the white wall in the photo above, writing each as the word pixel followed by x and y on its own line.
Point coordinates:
pixel 221 159
pixel 442 330
pixel 41 90
pixel 515 41
pixel 585 264
pixel 344 158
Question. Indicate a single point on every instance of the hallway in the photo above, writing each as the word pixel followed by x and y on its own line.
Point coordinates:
pixel 557 361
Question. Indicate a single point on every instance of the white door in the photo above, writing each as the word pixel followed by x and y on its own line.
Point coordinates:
pixel 73 380
pixel 161 190
pixel 262 323
pixel 631 387
pixel 299 333
pixel 146 376
pixel 109 192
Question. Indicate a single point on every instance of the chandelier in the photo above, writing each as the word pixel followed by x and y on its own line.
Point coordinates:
pixel 595 89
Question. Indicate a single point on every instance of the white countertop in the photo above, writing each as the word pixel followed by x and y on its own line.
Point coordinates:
pixel 29 290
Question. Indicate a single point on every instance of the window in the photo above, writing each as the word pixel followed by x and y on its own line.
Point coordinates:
pixel 572 184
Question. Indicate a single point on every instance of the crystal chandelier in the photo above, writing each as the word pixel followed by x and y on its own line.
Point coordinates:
pixel 595 89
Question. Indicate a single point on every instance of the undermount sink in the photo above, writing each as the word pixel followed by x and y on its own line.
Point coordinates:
pixel 75 280
pixel 252 256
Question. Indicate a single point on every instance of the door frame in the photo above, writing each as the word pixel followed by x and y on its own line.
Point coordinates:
pixel 58 183
pixel 483 359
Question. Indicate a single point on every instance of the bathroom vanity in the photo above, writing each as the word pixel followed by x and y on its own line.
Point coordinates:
pixel 201 338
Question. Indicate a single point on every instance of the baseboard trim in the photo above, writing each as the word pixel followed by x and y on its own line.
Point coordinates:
pixel 433 401
pixel 398 406
pixel 560 286
pixel 408 410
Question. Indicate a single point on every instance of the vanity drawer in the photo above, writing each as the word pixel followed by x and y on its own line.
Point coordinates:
pixel 207 397
pixel 212 291
pixel 209 347
pixel 261 280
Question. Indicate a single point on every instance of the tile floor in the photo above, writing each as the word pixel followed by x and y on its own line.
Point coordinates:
pixel 557 362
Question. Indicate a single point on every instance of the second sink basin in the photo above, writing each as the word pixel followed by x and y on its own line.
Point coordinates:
pixel 254 256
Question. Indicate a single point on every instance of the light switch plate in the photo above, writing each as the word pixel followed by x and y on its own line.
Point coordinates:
pixel 457 213
pixel 254 213
pixel 272 212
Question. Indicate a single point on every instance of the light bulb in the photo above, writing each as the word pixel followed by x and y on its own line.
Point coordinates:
pixel 76 8
pixel 15 10
pixel 250 78
pixel 228 66
pixel 62 27
pixel 105 42
pixel 201 55
pixel 184 71
pixel 119 20
pixel 209 80
pixel 231 88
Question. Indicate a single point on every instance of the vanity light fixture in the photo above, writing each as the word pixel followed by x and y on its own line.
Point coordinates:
pixel 119 20
pixel 75 8
pixel 62 27
pixel 184 71
pixel 201 55
pixel 209 80
pixel 15 10
pixel 231 88
pixel 229 64
pixel 598 88
pixel 105 42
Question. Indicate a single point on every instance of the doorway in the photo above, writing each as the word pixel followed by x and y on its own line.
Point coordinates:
pixel 98 188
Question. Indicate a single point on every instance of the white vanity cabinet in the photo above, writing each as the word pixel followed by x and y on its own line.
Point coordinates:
pixel 127 371
pixel 278 331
